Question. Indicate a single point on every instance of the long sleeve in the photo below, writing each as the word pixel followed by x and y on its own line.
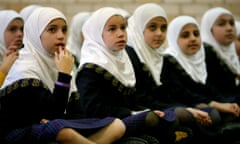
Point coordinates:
pixel 99 97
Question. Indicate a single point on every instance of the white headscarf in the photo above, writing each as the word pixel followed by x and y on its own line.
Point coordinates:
pixel 226 53
pixel 237 23
pixel 195 64
pixel 28 10
pixel 6 17
pixel 95 51
pixel 124 12
pixel 74 42
pixel 136 25
pixel 34 61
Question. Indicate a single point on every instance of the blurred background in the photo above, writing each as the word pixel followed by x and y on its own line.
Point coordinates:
pixel 194 8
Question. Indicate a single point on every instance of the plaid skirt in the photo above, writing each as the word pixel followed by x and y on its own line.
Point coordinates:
pixel 46 133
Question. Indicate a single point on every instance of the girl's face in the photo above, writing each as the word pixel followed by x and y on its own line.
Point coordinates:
pixel 13 34
pixel 224 30
pixel 54 35
pixel 155 32
pixel 114 33
pixel 189 40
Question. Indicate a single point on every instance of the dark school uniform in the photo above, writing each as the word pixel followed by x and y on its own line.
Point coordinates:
pixel 221 77
pixel 25 102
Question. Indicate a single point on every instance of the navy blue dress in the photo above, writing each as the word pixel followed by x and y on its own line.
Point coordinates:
pixel 221 77
pixel 25 102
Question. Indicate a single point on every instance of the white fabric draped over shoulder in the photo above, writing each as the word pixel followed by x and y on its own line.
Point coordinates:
pixel 195 64
pixel 226 53
pixel 34 61
pixel 137 22
pixel 95 51
pixel 6 17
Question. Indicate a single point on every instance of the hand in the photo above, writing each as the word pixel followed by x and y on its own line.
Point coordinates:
pixel 232 108
pixel 9 58
pixel 201 116
pixel 44 121
pixel 161 114
pixel 64 60
pixel 235 109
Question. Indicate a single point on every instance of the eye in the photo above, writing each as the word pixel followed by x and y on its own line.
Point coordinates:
pixel 196 33
pixel 13 29
pixel 164 28
pixel 64 30
pixel 123 27
pixel 184 35
pixel 152 27
pixel 231 22
pixel 112 28
pixel 221 23
pixel 21 29
pixel 52 29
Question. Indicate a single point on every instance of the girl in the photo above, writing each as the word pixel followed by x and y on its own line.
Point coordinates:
pixel 237 41
pixel 37 87
pixel 223 69
pixel 74 44
pixel 11 36
pixel 106 79
pixel 147 31
pixel 184 74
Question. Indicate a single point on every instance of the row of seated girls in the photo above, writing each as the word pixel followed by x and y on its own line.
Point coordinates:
pixel 177 79
pixel 35 92
pixel 131 89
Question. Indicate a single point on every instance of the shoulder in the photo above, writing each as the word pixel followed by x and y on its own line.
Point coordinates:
pixel 24 85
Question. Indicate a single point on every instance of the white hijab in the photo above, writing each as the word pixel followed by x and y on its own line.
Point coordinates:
pixel 28 10
pixel 75 41
pixel 34 61
pixel 95 51
pixel 237 23
pixel 136 25
pixel 6 17
pixel 226 53
pixel 195 64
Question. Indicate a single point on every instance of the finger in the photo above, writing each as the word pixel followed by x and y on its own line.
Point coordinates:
pixel 160 113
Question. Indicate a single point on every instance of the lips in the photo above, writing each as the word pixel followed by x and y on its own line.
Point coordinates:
pixel 230 36
pixel 193 46
pixel 121 42
pixel 18 42
pixel 60 45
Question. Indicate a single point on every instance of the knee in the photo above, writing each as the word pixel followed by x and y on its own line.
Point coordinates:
pixel 118 128
pixel 65 135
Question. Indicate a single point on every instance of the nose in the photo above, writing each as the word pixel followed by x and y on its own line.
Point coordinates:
pixel 19 33
pixel 121 33
pixel 60 35
pixel 230 27
pixel 158 31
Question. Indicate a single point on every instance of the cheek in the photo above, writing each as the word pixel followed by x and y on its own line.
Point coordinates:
pixel 7 39
pixel 147 39
pixel 217 33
